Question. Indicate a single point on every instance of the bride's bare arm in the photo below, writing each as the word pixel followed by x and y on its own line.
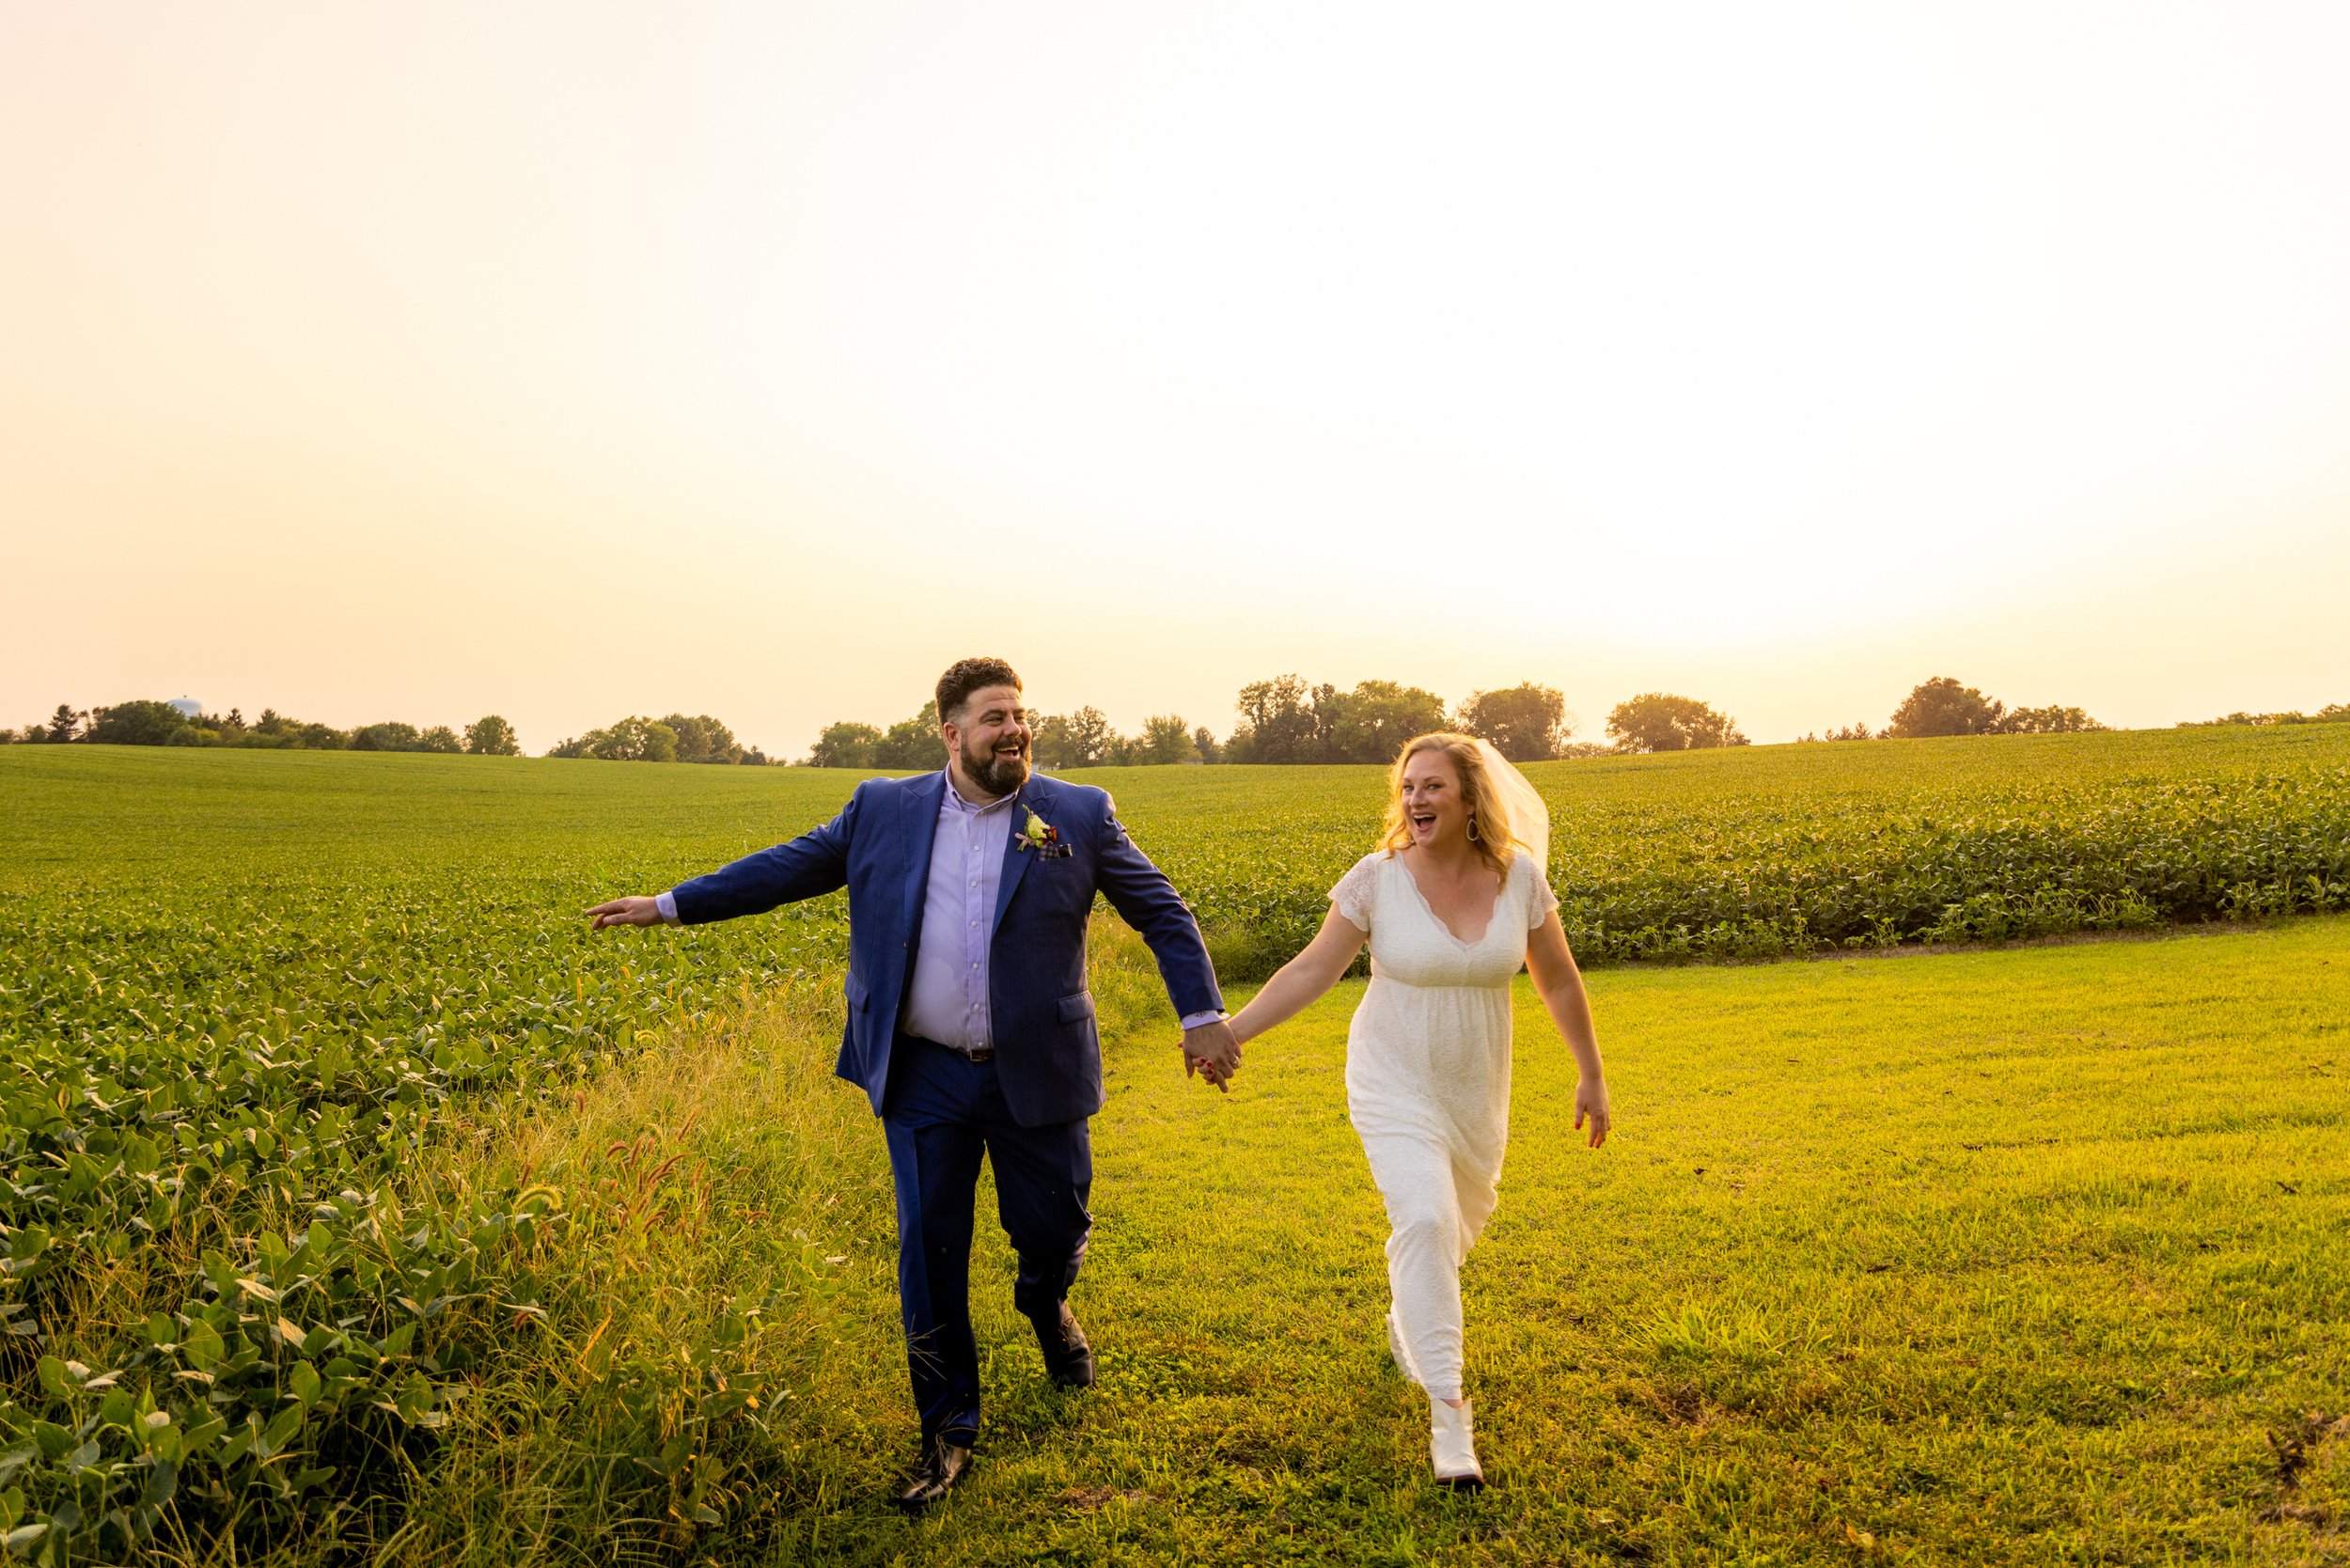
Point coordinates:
pixel 1559 984
pixel 1303 978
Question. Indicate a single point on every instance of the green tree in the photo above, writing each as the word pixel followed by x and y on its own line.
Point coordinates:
pixel 1080 740
pixel 440 738
pixel 913 745
pixel 1203 740
pixel 1092 737
pixel 65 724
pixel 1659 721
pixel 1371 722
pixel 2046 721
pixel 137 723
pixel 1943 706
pixel 391 735
pixel 844 746
pixel 1526 722
pixel 634 738
pixel 492 736
pixel 1053 747
pixel 703 739
pixel 1277 723
pixel 1164 739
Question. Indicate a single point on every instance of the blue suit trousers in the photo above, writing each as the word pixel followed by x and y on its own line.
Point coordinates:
pixel 944 1112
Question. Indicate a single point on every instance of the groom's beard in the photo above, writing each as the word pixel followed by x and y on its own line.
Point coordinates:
pixel 998 775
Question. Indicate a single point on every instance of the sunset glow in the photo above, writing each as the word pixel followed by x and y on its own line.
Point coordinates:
pixel 420 362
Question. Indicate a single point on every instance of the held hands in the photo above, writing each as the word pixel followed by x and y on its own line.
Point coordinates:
pixel 1213 1051
pixel 638 910
pixel 1591 1102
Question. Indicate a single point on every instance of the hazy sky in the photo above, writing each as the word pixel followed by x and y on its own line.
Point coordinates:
pixel 421 361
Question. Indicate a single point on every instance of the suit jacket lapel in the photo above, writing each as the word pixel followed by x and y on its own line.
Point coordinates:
pixel 1016 857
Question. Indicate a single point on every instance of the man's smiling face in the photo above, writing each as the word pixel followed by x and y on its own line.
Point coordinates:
pixel 988 740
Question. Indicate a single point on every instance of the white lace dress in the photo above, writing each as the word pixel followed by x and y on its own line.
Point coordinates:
pixel 1428 1087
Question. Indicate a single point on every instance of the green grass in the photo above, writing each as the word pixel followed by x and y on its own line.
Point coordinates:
pixel 2012 1257
pixel 317 1040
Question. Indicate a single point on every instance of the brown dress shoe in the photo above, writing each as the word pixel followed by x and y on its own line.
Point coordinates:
pixel 944 1462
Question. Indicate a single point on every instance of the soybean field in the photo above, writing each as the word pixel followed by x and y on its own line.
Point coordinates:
pixel 267 1019
pixel 1765 852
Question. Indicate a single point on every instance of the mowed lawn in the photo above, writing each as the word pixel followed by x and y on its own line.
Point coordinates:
pixel 2022 1256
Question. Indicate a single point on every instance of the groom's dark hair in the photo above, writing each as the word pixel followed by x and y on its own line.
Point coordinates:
pixel 965 676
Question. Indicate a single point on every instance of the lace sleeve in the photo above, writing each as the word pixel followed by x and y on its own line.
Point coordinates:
pixel 1540 900
pixel 1357 891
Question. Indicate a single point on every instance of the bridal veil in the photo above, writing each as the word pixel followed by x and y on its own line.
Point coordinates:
pixel 1522 807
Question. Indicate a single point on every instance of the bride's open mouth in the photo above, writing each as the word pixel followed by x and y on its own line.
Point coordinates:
pixel 1422 824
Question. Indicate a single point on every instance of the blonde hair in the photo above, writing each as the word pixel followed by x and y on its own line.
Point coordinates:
pixel 1489 821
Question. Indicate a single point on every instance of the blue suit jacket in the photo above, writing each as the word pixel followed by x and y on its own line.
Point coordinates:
pixel 1048 1057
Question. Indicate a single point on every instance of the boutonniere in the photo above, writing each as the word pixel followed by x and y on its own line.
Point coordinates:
pixel 1042 837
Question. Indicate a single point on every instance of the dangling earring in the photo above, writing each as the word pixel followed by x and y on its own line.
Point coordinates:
pixel 1472 828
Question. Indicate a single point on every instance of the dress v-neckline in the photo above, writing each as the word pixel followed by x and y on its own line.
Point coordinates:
pixel 1421 893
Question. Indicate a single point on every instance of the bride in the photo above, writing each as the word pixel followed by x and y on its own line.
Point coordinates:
pixel 1452 901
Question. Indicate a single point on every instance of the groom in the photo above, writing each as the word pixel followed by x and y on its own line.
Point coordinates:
pixel 969 1021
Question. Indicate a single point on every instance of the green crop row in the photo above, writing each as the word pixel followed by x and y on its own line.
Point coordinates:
pixel 241 1013
pixel 1762 876
pixel 223 1122
pixel 245 999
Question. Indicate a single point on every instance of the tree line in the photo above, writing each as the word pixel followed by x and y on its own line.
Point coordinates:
pixel 1287 719
pixel 677 738
pixel 149 723
pixel 1941 706
pixel 2333 713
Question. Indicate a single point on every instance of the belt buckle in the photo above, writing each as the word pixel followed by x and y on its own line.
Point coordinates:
pixel 982 1056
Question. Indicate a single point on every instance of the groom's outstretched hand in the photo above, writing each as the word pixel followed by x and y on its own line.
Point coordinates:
pixel 1212 1051
pixel 638 910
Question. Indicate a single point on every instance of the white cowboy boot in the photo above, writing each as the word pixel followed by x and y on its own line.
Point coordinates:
pixel 1450 1447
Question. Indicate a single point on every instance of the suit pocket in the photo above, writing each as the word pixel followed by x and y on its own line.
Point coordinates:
pixel 855 988
pixel 1077 1008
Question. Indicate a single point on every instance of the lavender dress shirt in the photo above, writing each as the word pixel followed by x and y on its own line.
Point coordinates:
pixel 946 994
